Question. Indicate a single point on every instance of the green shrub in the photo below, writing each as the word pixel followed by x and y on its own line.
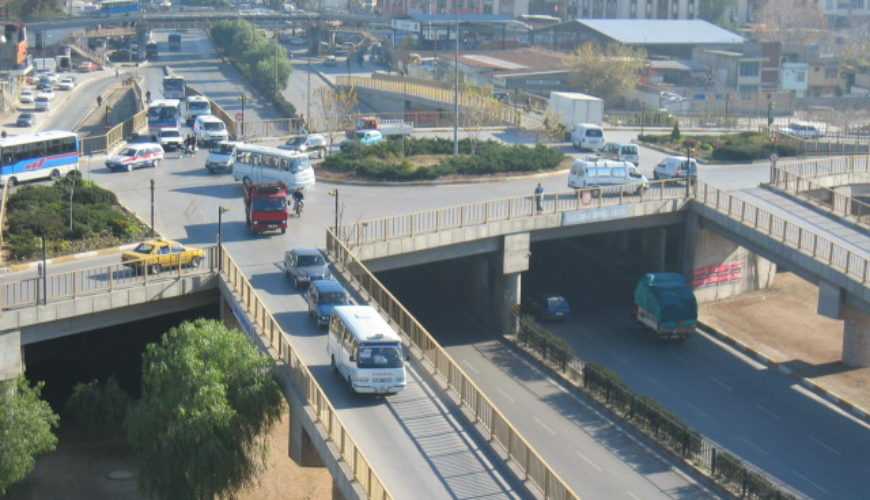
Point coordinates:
pixel 100 407
pixel 675 132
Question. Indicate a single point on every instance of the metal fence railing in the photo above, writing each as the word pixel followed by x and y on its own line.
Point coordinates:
pixel 304 381
pixel 838 203
pixel 852 264
pixel 94 280
pixel 485 212
pixel 810 168
pixel 483 411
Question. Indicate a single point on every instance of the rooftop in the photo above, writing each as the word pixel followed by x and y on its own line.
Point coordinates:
pixel 662 31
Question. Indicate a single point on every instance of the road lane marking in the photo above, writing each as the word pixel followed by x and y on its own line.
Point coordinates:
pixel 681 358
pixel 617 357
pixel 632 495
pixel 825 445
pixel 805 478
pixel 703 413
pixel 590 462
pixel 470 366
pixel 545 426
pixel 768 411
pixel 658 384
pixel 750 443
pixel 505 394
pixel 719 382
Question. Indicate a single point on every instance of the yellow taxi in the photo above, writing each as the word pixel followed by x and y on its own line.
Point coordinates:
pixel 159 254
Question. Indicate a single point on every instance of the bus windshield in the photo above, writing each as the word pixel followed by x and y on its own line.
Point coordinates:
pixel 173 83
pixel 380 356
pixel 299 164
pixel 162 113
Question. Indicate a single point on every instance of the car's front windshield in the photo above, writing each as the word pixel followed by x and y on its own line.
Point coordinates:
pixel 226 149
pixel 384 356
pixel 333 298
pixel 213 126
pixel 146 248
pixel 128 152
pixel 310 260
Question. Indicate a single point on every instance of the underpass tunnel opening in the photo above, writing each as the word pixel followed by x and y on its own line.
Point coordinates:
pixel 98 354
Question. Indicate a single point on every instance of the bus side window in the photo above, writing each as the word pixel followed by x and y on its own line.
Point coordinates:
pixel 284 164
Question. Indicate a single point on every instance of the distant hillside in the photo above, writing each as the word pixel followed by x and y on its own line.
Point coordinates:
pixel 16 10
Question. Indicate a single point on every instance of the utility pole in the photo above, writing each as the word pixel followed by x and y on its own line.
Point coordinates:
pixel 152 208
pixel 243 99
pixel 456 90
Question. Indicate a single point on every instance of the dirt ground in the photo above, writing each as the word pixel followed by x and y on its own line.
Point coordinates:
pixel 782 324
pixel 83 470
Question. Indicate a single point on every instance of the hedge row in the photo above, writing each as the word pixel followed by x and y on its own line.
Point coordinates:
pixel 34 211
pixel 745 146
pixel 388 160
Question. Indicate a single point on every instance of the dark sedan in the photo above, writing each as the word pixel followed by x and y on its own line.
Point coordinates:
pixel 26 120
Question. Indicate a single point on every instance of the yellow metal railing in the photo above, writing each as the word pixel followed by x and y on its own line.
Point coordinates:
pixel 324 411
pixel 483 410
pixel 788 233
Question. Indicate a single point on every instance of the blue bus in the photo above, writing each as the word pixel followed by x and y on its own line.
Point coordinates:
pixel 164 113
pixel 174 87
pixel 109 7
pixel 43 155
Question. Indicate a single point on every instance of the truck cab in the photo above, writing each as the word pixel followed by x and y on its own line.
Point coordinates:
pixel 266 207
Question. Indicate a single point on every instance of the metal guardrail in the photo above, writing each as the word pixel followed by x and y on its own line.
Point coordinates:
pixel 484 412
pixel 826 166
pixel 485 212
pixel 840 204
pixel 788 233
pixel 91 281
pixel 306 384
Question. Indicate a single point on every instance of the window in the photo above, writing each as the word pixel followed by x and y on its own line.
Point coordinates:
pixel 831 73
pixel 800 76
pixel 748 69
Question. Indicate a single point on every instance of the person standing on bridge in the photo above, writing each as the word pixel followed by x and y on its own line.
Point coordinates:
pixel 539 195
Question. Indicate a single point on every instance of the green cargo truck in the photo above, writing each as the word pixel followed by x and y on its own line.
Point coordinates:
pixel 665 305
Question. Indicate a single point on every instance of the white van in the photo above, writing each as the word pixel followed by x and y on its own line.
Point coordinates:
pixel 598 172
pixel 196 105
pixel 209 129
pixel 587 136
pixel 365 351
pixel 623 151
pixel 221 157
pixel 254 163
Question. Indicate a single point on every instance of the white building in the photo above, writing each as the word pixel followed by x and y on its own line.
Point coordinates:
pixel 793 78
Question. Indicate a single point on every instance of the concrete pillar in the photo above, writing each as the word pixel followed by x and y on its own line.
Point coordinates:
pixel 722 269
pixel 302 450
pixel 515 260
pixel 830 300
pixel 856 337
pixel 11 355
pixel 653 244
pixel 687 249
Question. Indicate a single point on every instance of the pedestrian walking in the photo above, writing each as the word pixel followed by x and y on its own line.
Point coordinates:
pixel 539 194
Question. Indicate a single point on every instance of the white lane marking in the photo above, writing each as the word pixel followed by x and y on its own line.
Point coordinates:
pixel 719 382
pixel 825 445
pixel 750 443
pixel 703 413
pixel 805 478
pixel 632 495
pixel 545 426
pixel 505 394
pixel 768 411
pixel 470 366
pixel 617 357
pixel 590 462
pixel 658 384
pixel 681 358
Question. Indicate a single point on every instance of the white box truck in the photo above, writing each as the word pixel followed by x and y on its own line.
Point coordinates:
pixel 574 107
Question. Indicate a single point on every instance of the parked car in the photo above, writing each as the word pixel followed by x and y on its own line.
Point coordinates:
pixel 42 103
pixel 27 96
pixel 676 167
pixel 624 151
pixel 322 296
pixel 547 307
pixel 26 120
pixel 143 154
pixel 67 83
pixel 306 144
pixel 802 130
pixel 364 137
pixel 304 265
pixel 330 61
pixel 88 66
pixel 155 255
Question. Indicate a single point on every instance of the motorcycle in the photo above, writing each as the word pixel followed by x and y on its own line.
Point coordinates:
pixel 297 207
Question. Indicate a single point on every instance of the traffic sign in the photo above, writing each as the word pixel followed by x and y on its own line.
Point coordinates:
pixel 773 157
pixel 586 197
pixel 240 116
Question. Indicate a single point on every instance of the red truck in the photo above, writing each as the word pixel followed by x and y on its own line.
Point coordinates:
pixel 266 207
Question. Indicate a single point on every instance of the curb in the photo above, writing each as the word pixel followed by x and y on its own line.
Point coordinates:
pixel 70 258
pixel 443 182
pixel 843 403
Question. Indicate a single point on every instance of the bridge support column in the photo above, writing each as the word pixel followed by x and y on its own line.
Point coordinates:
pixel 721 268
pixel 653 242
pixel 11 355
pixel 856 337
pixel 515 260
pixel 302 451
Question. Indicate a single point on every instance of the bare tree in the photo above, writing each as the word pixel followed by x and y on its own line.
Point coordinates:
pixel 792 22
pixel 605 71
pixel 335 105
pixel 854 45
pixel 480 109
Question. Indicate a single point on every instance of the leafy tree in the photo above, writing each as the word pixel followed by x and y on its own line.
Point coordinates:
pixel 208 396
pixel 675 132
pixel 99 406
pixel 792 22
pixel 717 11
pixel 26 425
pixel 855 49
pixel 605 71
pixel 336 106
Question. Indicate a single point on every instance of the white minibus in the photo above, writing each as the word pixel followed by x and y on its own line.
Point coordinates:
pixel 254 163
pixel 365 350
pixel 196 105
pixel 597 172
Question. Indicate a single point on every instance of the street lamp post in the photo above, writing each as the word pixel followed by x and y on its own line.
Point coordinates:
pixel 220 248
pixel 152 208
pixel 456 91
pixel 727 100
pixel 108 111
pixel 243 99
pixel 44 272
pixel 689 180
pixel 308 88
pixel 334 193
pixel 642 117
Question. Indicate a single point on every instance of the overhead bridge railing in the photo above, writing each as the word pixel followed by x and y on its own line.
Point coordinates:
pixel 792 235
pixel 443 366
pixel 305 383
pixel 838 203
pixel 486 212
